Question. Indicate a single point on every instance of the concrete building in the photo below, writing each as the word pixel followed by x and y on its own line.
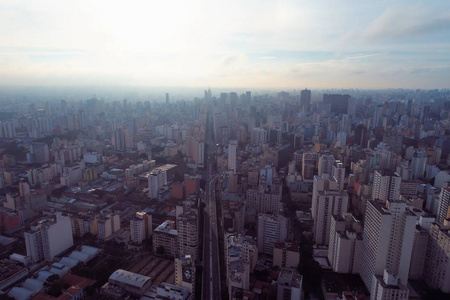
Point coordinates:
pixel 326 162
pixel 309 161
pixel 419 163
pixel 232 156
pixel 345 246
pixel 327 200
pixel 72 173
pixel 39 153
pixel 419 253
pixel 165 236
pixel 107 225
pixel 185 273
pixel 241 255
pixel 258 136
pixel 386 185
pixel 265 199
pixel 305 100
pixel 387 241
pixel 437 264
pixel 271 229
pixel 156 179
pixel 443 211
pixel 289 284
pixel 141 227
pixel 187 228
pixel 338 172
pixel 286 254
pixel 121 282
pixel 169 291
pixel 49 237
pixel 388 287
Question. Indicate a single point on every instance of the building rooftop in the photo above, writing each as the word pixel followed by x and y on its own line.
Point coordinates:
pixel 167 227
pixel 290 246
pixel 129 278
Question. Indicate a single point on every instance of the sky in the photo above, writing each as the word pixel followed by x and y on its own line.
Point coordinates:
pixel 233 43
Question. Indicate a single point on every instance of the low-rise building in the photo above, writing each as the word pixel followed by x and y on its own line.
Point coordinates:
pixel 122 282
pixel 286 254
pixel 289 285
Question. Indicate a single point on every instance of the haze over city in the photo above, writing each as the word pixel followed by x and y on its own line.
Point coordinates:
pixel 234 150
pixel 247 44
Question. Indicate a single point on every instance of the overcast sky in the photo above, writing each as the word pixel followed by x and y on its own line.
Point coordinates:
pixel 243 43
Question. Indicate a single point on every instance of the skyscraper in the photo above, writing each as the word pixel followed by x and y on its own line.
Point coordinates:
pixel 327 200
pixel 443 211
pixel 339 103
pixel 345 246
pixel 156 179
pixel 232 153
pixel 326 162
pixel 386 185
pixel 187 226
pixel 305 100
pixel 271 229
pixel 309 160
pixel 437 263
pixel 419 163
pixel 387 241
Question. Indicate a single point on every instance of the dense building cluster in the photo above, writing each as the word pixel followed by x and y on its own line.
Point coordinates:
pixel 343 194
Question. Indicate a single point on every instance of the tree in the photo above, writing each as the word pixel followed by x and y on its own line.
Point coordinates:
pixel 308 267
pixel 57 287
pixel 143 156
pixel 160 250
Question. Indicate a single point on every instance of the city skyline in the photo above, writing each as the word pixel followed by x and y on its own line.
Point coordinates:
pixel 270 45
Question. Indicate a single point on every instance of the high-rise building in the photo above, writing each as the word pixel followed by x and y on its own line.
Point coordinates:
pixel 387 241
pixel 443 211
pixel 271 229
pixel 326 162
pixel 437 264
pixel 241 256
pixel 156 179
pixel 49 237
pixel 309 161
pixel 338 172
pixel 305 100
pixel 39 153
pixel 165 239
pixel 232 156
pixel 327 200
pixel 141 227
pixel 258 136
pixel 339 103
pixel 345 246
pixel 118 140
pixel 185 273
pixel 265 198
pixel 419 163
pixel 7 130
pixel 187 227
pixel 386 185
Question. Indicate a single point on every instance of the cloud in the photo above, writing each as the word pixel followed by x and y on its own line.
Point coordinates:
pixel 406 22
